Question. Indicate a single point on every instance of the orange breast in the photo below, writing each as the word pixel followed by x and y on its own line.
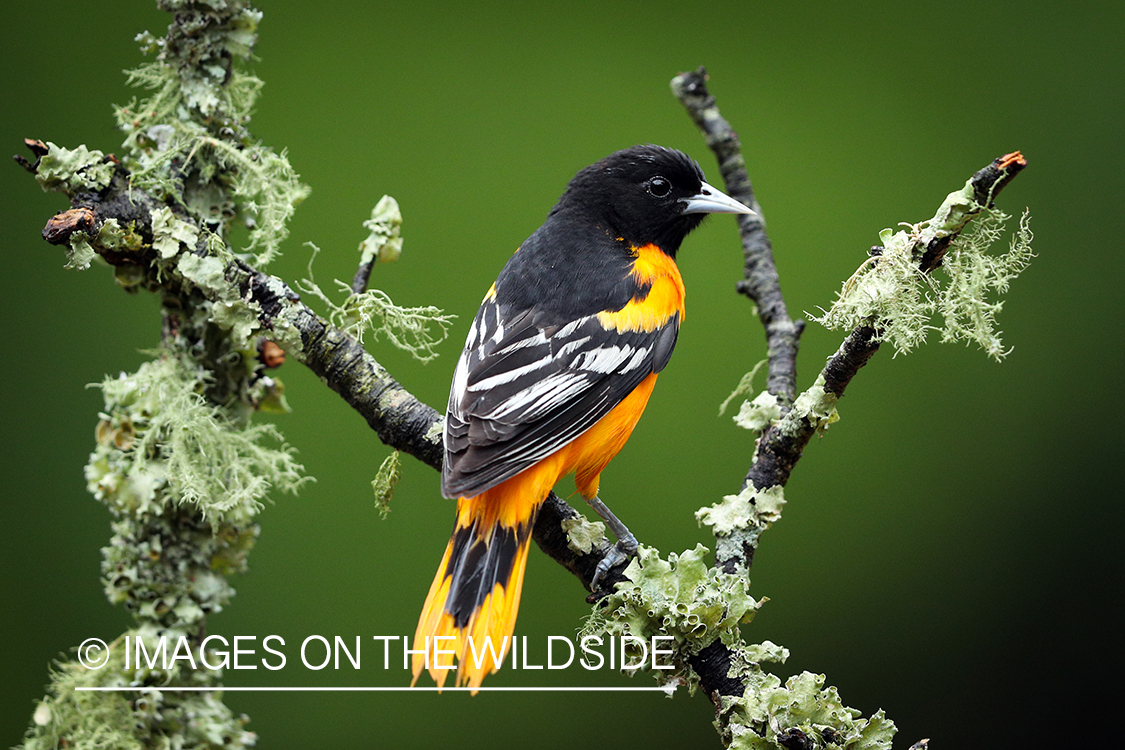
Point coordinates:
pixel 658 273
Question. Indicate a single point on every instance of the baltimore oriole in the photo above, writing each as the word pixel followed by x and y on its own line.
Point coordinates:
pixel 557 368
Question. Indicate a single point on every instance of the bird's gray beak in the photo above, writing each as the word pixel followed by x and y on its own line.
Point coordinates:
pixel 711 201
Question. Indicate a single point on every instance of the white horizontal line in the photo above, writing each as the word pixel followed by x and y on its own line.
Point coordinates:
pixel 347 689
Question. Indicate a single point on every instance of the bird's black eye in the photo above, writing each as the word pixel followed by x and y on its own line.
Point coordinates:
pixel 659 187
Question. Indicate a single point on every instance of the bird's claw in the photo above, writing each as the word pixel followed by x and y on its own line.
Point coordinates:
pixel 618 553
pixel 626 545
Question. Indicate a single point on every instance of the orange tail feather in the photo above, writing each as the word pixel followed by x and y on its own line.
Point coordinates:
pixel 470 611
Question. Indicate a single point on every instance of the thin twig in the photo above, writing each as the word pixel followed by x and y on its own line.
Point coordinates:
pixel 362 277
pixel 761 282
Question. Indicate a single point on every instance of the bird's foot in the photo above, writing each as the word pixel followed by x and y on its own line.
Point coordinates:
pixel 625 548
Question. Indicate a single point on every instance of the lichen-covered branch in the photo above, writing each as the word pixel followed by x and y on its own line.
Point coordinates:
pixel 728 669
pixel 939 274
pixel 256 303
pixel 787 429
pixel 178 461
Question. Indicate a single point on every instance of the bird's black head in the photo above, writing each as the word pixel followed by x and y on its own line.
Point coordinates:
pixel 645 194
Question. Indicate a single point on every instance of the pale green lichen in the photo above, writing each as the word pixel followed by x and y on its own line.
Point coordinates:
pixel 768 503
pixel 284 333
pixel 92 720
pixel 417 330
pixel 184 476
pixel 694 605
pixel 238 317
pixel 681 598
pixel 188 141
pixel 200 49
pixel 816 406
pixel 436 430
pixel 744 388
pixel 80 254
pixel 731 513
pixel 170 233
pixel 757 415
pixel 889 292
pixel 116 238
pixel 170 427
pixel 384 243
pixel 749 507
pixel 892 294
pixel 79 719
pixel 802 710
pixel 766 651
pixel 177 459
pixel 974 276
pixel 73 170
pixel 170 569
pixel 207 273
pixel 383 485
pixel 583 535
pixel 256 183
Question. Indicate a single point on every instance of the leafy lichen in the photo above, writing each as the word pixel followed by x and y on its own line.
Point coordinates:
pixel 816 406
pixel 177 459
pixel 757 415
pixel 749 507
pixel 694 605
pixel 384 243
pixel 170 569
pixel 80 254
pixel 73 170
pixel 71 717
pixel 582 534
pixel 681 598
pixel 802 712
pixel 170 233
pixel 116 238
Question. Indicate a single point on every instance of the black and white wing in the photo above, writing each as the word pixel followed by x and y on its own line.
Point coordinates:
pixel 528 384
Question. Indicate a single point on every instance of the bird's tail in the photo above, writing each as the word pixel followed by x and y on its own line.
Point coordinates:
pixel 470 612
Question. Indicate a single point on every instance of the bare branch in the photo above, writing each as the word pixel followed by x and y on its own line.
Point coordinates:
pixel 761 283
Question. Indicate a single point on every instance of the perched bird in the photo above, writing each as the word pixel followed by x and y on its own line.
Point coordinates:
pixel 558 365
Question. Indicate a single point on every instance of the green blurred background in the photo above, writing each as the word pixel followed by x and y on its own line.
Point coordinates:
pixel 949 551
